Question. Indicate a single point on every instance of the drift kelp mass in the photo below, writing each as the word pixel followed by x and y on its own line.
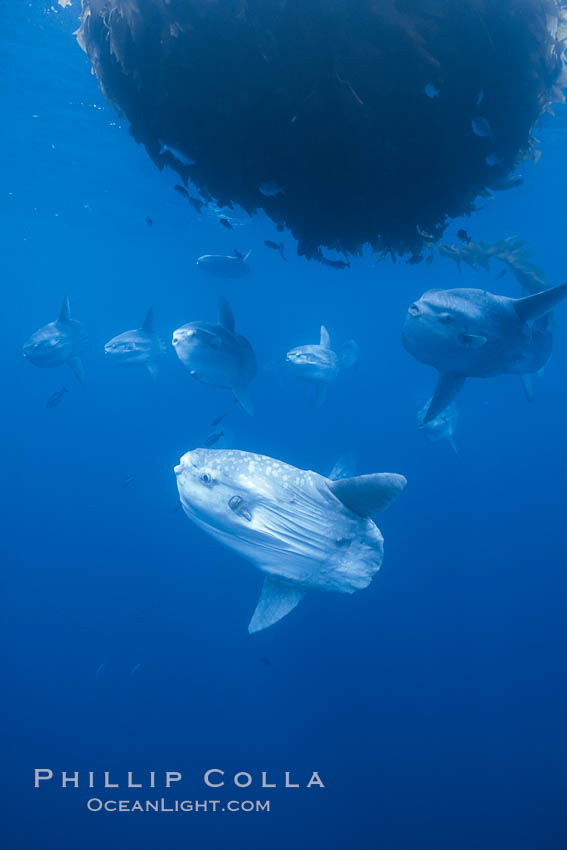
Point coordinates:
pixel 349 121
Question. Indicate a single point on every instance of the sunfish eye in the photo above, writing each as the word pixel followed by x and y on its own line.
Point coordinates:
pixel 413 310
pixel 205 478
pixel 445 317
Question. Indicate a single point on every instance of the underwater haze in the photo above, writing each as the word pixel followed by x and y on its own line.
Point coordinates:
pixel 432 703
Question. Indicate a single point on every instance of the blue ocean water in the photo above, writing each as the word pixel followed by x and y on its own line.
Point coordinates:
pixel 433 703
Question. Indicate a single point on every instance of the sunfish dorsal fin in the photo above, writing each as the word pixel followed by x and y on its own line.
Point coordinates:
pixel 148 325
pixel 447 389
pixel 276 600
pixel 367 495
pixel 325 341
pixel 65 313
pixel 541 303
pixel 226 316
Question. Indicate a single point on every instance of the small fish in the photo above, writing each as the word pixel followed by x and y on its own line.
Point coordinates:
pixel 501 273
pixel 226 223
pixel 176 154
pixel 181 190
pixel 218 419
pixel 442 428
pixel 213 438
pixel 505 183
pixel 149 221
pixel 431 91
pixel 100 668
pixel 492 160
pixel 56 398
pixel 128 480
pixel 481 127
pixel 271 189
pixel 334 264
pixel 463 236
pixel 136 668
pixel 276 246
pixel 196 203
pixel 480 97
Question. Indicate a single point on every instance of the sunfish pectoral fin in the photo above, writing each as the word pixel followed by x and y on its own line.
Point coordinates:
pixel 528 386
pixel 325 339
pixel 65 312
pixel 276 600
pixel 367 495
pixel 453 445
pixel 541 303
pixel 243 399
pixel 447 389
pixel 472 340
pixel 76 365
pixel 321 393
pixel 148 325
pixel 226 316
pixel 152 369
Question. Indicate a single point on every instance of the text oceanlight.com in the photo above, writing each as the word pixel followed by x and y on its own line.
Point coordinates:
pixel 214 778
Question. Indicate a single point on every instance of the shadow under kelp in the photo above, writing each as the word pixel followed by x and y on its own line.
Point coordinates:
pixel 349 121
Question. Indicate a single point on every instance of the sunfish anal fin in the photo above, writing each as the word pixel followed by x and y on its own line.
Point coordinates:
pixel 528 385
pixel 539 304
pixel 367 495
pixel 276 600
pixel 76 365
pixel 226 316
pixel 447 389
pixel 321 393
pixel 243 399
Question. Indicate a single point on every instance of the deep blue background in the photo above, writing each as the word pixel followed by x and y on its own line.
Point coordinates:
pixel 434 703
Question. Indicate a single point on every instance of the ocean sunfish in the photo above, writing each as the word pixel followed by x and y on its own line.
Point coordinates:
pixel 232 265
pixel 140 346
pixel 58 342
pixel 217 355
pixel 470 333
pixel 320 364
pixel 302 530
